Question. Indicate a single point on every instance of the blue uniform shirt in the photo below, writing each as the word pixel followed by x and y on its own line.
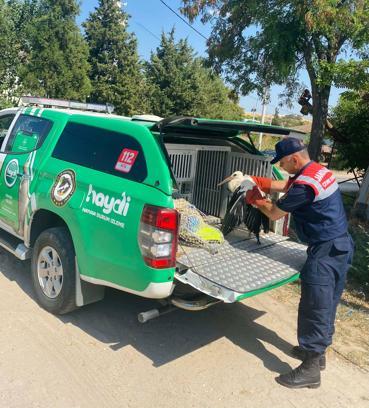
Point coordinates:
pixel 317 219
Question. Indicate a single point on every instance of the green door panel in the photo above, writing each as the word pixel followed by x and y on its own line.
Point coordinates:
pixel 14 187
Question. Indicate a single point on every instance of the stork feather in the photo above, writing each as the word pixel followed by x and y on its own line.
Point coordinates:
pixel 238 211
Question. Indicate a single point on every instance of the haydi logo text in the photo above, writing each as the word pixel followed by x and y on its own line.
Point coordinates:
pixel 108 204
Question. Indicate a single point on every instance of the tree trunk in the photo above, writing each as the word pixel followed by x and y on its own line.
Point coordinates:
pixel 320 112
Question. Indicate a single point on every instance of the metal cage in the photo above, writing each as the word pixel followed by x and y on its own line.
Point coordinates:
pixel 199 169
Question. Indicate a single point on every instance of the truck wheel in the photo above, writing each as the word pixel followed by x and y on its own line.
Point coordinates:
pixel 53 271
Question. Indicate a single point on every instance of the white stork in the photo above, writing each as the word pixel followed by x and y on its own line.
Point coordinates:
pixel 238 179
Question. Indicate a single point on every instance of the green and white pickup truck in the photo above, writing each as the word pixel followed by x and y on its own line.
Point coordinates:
pixel 88 196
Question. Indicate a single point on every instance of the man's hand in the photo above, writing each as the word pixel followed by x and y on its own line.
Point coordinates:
pixel 267 185
pixel 255 197
pixel 264 183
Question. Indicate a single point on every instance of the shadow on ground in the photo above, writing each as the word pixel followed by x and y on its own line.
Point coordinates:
pixel 113 321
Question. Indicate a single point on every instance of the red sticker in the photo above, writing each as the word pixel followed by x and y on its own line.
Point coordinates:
pixel 126 160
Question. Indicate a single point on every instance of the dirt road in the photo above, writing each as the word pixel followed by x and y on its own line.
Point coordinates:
pixel 100 356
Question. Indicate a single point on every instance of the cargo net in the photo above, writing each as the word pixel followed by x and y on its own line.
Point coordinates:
pixel 194 228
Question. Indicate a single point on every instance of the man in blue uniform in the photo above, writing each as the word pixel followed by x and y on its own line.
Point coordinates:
pixel 313 198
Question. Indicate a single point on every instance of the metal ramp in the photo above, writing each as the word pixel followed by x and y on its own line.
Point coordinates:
pixel 241 265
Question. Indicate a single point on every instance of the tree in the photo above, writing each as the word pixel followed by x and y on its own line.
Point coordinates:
pixel 173 77
pixel 15 16
pixel 351 119
pixel 55 54
pixel 6 52
pixel 10 53
pixel 115 67
pixel 218 101
pixel 181 85
pixel 21 15
pixel 259 43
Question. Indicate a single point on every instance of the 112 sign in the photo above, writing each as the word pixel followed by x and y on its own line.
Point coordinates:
pixel 126 160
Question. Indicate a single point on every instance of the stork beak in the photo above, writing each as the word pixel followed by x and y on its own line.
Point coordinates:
pixel 229 178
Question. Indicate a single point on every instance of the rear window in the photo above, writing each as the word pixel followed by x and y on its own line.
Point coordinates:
pixel 36 129
pixel 103 150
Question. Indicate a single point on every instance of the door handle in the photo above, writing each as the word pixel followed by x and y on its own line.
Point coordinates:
pixel 22 175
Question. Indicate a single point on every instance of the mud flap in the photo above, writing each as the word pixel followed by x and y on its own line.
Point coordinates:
pixel 87 292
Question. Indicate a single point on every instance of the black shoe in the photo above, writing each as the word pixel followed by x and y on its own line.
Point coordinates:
pixel 305 375
pixel 300 353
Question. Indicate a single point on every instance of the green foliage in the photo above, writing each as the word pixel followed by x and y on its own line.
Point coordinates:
pixel 115 68
pixel 55 54
pixel 218 101
pixel 346 74
pixel 359 271
pixel 359 230
pixel 288 120
pixel 44 53
pixel 267 142
pixel 290 35
pixel 351 118
pixel 9 55
pixel 181 85
pixel 259 43
pixel 172 74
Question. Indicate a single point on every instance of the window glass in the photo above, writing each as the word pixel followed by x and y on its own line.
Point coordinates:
pixel 31 130
pixel 5 122
pixel 103 150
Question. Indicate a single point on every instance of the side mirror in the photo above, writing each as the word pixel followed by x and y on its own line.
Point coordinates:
pixel 24 142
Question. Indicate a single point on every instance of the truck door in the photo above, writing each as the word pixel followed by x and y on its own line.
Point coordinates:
pixel 16 174
pixel 6 118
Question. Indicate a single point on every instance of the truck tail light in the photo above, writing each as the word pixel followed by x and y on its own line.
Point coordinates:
pixel 158 236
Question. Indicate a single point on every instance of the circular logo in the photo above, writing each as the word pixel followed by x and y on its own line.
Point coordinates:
pixel 11 172
pixel 63 188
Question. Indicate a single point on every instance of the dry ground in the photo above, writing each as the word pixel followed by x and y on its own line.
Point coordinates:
pixel 100 356
pixel 351 340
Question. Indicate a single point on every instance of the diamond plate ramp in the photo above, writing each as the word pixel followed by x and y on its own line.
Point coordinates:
pixel 242 265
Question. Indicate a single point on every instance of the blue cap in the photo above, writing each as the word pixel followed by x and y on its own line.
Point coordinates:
pixel 287 146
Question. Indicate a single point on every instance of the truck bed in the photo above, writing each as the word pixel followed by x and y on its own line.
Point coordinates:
pixel 241 267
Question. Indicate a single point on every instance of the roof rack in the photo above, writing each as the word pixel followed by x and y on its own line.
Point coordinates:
pixel 61 103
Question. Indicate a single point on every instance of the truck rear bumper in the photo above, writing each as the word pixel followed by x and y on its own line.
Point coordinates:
pixel 153 291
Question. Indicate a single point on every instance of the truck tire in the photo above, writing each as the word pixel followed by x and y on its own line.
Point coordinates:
pixel 53 271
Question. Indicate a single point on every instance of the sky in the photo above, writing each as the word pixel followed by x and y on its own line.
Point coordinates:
pixel 149 18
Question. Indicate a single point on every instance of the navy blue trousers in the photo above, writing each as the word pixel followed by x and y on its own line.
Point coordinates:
pixel 323 279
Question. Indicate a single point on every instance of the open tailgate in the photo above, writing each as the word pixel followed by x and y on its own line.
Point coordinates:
pixel 241 268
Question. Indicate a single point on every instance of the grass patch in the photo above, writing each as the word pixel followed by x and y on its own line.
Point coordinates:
pixel 358 274
pixel 359 271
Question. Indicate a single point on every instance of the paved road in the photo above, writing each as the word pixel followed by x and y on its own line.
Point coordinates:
pixel 100 356
pixel 347 186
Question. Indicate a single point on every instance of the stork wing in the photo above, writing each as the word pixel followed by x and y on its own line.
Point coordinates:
pixel 235 212
pixel 255 220
pixel 239 212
